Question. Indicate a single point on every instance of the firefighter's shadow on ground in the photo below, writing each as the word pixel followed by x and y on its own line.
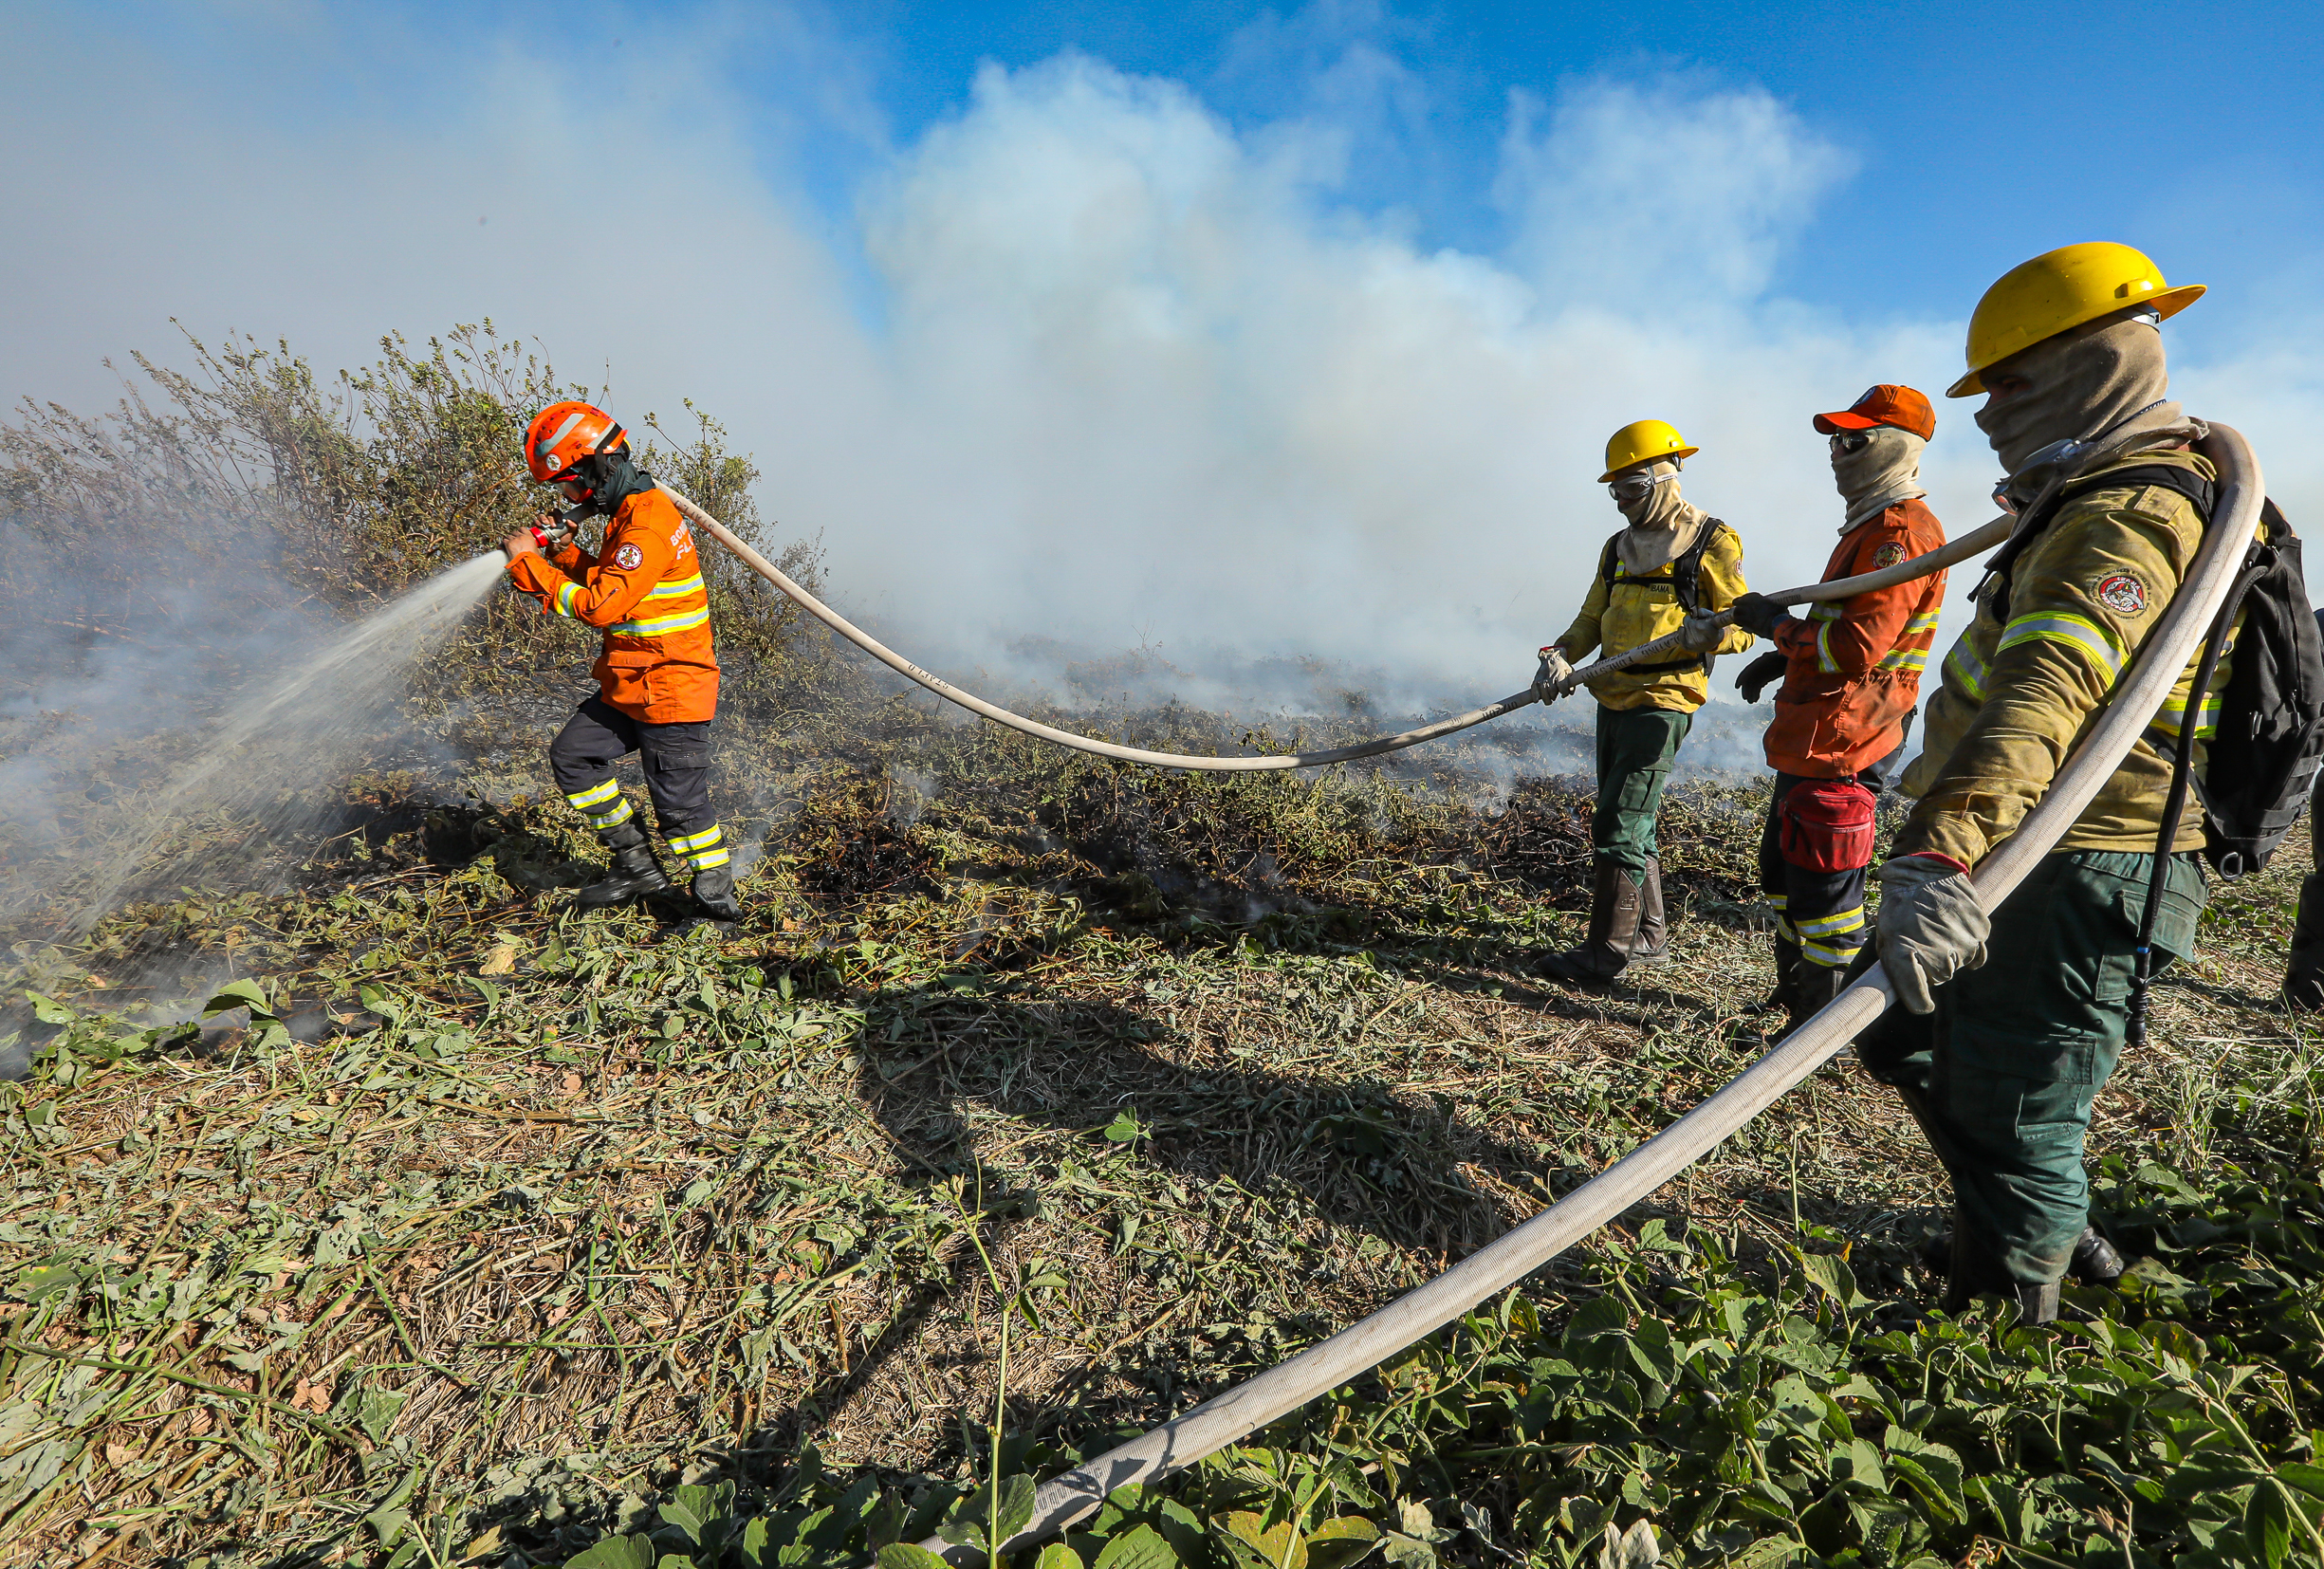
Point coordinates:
pixel 1401 1166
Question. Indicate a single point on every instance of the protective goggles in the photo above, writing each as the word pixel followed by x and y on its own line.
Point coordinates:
pixel 1631 489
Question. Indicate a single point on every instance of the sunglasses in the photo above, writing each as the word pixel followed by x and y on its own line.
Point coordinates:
pixel 1850 441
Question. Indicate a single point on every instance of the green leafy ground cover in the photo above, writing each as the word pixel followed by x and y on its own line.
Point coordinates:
pixel 373 1207
pixel 495 1231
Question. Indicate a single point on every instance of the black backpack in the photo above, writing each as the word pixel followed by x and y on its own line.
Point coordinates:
pixel 1685 586
pixel 2264 756
pixel 2270 741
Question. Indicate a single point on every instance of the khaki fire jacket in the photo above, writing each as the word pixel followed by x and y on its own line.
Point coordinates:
pixel 2039 661
pixel 1620 612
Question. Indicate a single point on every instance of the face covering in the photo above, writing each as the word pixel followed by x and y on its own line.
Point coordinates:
pixel 617 479
pixel 1661 525
pixel 1885 471
pixel 2105 378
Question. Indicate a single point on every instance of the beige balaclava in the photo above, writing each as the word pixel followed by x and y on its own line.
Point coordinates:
pixel 1875 478
pixel 2103 380
pixel 1662 524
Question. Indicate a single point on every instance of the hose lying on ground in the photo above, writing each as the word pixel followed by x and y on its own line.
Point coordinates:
pixel 1974 543
pixel 1241 1410
pixel 1991 534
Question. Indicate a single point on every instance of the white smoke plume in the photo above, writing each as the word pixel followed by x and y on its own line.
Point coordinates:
pixel 1087 362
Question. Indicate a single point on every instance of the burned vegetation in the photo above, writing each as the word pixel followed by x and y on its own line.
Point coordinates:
pixel 376 1207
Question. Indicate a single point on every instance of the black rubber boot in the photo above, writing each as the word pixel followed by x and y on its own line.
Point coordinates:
pixel 1652 944
pixel 714 893
pixel 1813 987
pixel 2303 976
pixel 1614 930
pixel 1788 961
pixel 634 873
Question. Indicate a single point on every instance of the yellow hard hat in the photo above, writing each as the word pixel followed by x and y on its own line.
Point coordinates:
pixel 1643 441
pixel 2059 289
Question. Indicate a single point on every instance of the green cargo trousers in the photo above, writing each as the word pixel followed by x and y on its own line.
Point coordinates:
pixel 2003 1074
pixel 1636 747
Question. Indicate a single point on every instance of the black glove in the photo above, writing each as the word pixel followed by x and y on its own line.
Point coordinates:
pixel 1753 678
pixel 1758 615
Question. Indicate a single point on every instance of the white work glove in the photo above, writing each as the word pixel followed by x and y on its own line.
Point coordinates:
pixel 1555 679
pixel 1930 927
pixel 1702 632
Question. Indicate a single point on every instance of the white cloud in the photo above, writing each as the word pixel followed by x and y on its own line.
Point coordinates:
pixel 1090 364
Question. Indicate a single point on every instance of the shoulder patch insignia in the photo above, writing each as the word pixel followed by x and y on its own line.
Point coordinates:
pixel 1889 555
pixel 628 557
pixel 2120 593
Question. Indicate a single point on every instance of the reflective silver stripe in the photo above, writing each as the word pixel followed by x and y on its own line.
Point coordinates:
pixel 702 841
pixel 1834 925
pixel 661 625
pixel 2071 630
pixel 595 793
pixel 709 858
pixel 548 443
pixel 1824 661
pixel 567 593
pixel 1963 666
pixel 670 591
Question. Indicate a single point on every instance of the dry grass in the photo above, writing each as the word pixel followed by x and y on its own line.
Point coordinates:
pixel 585 1207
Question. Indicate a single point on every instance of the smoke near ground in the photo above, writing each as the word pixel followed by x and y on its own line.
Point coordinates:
pixel 1089 361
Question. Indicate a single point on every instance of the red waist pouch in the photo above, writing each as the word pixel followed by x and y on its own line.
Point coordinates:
pixel 1826 826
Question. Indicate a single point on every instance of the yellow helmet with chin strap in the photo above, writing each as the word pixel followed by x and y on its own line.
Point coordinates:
pixel 1643 441
pixel 2059 289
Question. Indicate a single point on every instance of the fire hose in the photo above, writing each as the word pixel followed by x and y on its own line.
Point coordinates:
pixel 1229 1417
pixel 1841 588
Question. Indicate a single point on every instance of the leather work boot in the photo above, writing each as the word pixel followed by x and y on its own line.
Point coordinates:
pixel 2093 1260
pixel 1652 944
pixel 2303 976
pixel 1614 931
pixel 714 893
pixel 634 873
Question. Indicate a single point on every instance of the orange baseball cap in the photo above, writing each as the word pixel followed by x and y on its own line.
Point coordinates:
pixel 1883 405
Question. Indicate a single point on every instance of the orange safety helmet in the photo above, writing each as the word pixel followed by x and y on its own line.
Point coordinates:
pixel 564 434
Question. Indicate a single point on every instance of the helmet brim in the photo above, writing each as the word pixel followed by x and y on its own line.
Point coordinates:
pixel 2166 305
pixel 1674 455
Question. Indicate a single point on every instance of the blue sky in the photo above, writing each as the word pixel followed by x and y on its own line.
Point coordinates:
pixel 1232 329
pixel 1981 134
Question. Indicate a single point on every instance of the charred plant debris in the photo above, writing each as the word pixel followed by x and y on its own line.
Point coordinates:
pixel 380 1210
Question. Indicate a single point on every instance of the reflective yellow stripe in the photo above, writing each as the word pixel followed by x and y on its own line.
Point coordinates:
pixel 1828 610
pixel 566 591
pixel 620 811
pixel 1906 658
pixel 1829 956
pixel 2168 717
pixel 1824 661
pixel 2072 631
pixel 1963 666
pixel 709 858
pixel 595 793
pixel 702 841
pixel 1919 624
pixel 670 591
pixel 662 625
pixel 1833 926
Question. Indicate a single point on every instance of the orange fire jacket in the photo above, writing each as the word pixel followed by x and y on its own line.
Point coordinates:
pixel 1853 670
pixel 643 587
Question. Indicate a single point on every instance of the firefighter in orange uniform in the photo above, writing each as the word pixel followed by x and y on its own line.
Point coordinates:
pixel 1852 678
pixel 658 678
